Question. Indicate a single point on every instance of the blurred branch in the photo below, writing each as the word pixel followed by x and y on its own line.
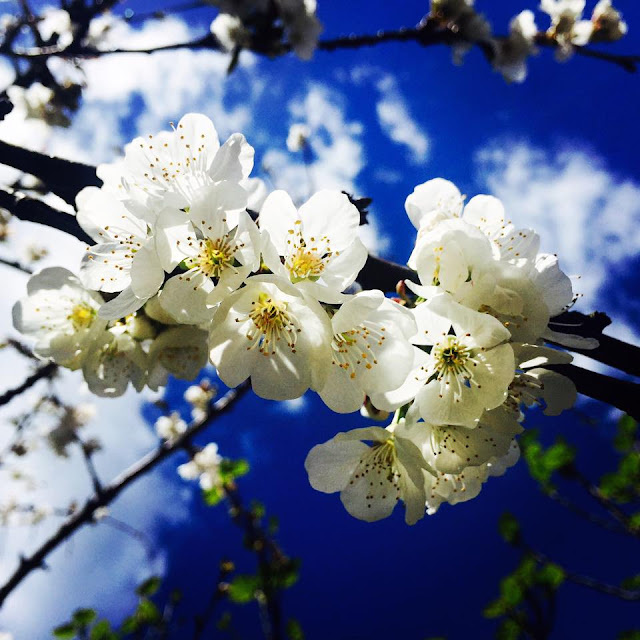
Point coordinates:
pixel 16 265
pixel 32 210
pixel 65 178
pixel 47 371
pixel 429 32
pixel 85 515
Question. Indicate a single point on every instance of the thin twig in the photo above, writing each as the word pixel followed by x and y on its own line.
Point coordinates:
pixel 134 472
pixel 632 595
pixel 16 265
pixel 87 456
pixel 47 371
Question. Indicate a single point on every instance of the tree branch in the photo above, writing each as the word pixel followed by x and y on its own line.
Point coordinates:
pixel 622 394
pixel 65 178
pixel 111 491
pixel 32 210
pixel 47 371
pixel 429 32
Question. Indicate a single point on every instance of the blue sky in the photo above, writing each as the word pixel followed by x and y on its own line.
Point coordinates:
pixel 560 150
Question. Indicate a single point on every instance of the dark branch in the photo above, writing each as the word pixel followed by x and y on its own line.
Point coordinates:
pixel 47 371
pixel 63 177
pixel 111 491
pixel 32 210
pixel 622 394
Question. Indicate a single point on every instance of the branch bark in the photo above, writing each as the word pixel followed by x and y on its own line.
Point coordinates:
pixel 110 492
pixel 65 178
pixel 47 371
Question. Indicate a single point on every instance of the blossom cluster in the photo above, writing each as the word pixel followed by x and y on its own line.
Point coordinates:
pixel 568 29
pixel 192 262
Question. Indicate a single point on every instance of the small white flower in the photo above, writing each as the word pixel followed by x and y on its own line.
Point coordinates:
pixel 371 479
pixel 170 427
pixel 60 314
pixel 219 249
pixel 205 465
pixel 371 350
pixel 466 372
pixel 179 351
pixel 319 242
pixel 513 52
pixel 269 331
pixel 198 396
pixel 302 27
pixel 432 202
pixel 567 26
pixel 608 25
pixel 111 362
pixel 167 170
pixel 230 31
pixel 450 9
pixel 298 137
pixel 124 260
pixel 451 449
pixel 56 21
pixel 456 258
pixel 466 485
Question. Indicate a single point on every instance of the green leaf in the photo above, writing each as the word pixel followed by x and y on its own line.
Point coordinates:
pixel 495 609
pixel 631 634
pixel 508 630
pixel 65 631
pixel 526 571
pixel 213 496
pixel 511 591
pixel 102 631
pixel 509 528
pixel 294 630
pixel 84 617
pixel 631 583
pixel 627 434
pixel 558 456
pixel 257 509
pixel 130 625
pixel 552 575
pixel 243 587
pixel 231 469
pixel 273 526
pixel 225 621
pixel 149 587
pixel 147 612
pixel 287 574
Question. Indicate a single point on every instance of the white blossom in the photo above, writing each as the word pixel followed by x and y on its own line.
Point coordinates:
pixel 60 314
pixel 124 260
pixel 179 351
pixel 513 52
pixel 269 331
pixel 372 478
pixel 218 249
pixel 319 242
pixel 230 31
pixel 468 369
pixel 567 26
pixel 56 21
pixel 170 427
pixel 114 360
pixel 466 485
pixel 298 137
pixel 608 25
pixel 371 350
pixel 205 465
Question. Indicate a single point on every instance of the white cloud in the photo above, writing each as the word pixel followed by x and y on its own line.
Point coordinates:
pixel 396 121
pixel 581 210
pixel 392 110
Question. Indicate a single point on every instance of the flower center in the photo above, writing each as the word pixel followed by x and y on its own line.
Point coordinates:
pixel 305 264
pixel 356 348
pixel 273 324
pixel 82 316
pixel 452 361
pixel 214 257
